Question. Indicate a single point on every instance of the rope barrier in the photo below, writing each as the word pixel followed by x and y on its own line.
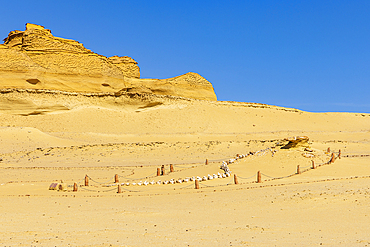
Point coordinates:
pixel 248 177
pixel 274 178
pixel 212 186
pixel 219 160
pixel 83 188
pixel 287 176
pixel 231 181
pixel 187 186
pixel 266 175
pixel 100 182
pixel 304 167
pixel 82 180
pixel 184 167
pixel 109 190
pixel 206 185
pixel 129 190
pixel 115 188
pixel 138 178
pixel 230 161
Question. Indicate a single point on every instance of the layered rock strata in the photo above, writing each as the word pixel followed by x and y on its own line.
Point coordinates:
pixel 35 59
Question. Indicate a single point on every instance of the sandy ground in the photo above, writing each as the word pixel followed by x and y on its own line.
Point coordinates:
pixel 48 138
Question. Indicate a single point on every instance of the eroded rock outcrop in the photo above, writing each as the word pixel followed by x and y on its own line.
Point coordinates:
pixel 36 59
pixel 127 65
pixel 189 85
pixel 296 142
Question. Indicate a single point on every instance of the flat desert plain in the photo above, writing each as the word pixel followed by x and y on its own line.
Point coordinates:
pixel 120 142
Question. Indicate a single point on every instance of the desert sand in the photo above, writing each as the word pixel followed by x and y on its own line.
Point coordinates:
pixel 53 141
pixel 133 135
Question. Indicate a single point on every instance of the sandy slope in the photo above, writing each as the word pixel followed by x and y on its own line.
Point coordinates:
pixel 47 137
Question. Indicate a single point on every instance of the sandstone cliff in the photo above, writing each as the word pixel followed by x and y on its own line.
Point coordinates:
pixel 189 85
pixel 35 59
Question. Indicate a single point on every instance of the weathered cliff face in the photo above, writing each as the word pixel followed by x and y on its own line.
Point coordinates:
pixel 127 65
pixel 189 85
pixel 35 59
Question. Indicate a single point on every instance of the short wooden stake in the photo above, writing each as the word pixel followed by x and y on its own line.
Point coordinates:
pixel 328 151
pixel 298 170
pixel 196 184
pixel 313 165
pixel 163 172
pixel 206 161
pixel 158 171
pixel 119 189
pixel 116 180
pixel 171 168
pixel 235 179
pixel 332 158
pixel 339 154
pixel 259 180
pixel 74 187
pixel 86 180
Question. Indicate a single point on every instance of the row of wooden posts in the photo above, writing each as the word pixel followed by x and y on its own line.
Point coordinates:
pixel 75 187
pixel 161 172
pixel 116 180
pixel 259 180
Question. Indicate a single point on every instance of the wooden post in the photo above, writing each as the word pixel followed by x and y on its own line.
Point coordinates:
pixel 74 187
pixel 339 154
pixel 196 184
pixel 328 151
pixel 163 172
pixel 235 179
pixel 119 189
pixel 158 171
pixel 116 180
pixel 332 158
pixel 259 177
pixel 206 161
pixel 313 165
pixel 171 168
pixel 298 170
pixel 86 180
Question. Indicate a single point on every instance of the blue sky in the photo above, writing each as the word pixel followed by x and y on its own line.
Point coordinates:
pixel 310 55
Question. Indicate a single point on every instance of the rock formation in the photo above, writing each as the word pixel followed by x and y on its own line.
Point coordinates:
pixel 35 59
pixel 296 142
pixel 127 65
pixel 189 85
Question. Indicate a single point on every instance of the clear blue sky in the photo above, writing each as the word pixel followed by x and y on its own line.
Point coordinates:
pixel 310 55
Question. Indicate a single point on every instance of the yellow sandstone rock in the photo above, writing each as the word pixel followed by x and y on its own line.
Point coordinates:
pixel 35 59
pixel 127 65
pixel 296 142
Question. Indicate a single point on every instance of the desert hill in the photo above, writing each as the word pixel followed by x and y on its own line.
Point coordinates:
pixel 35 59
